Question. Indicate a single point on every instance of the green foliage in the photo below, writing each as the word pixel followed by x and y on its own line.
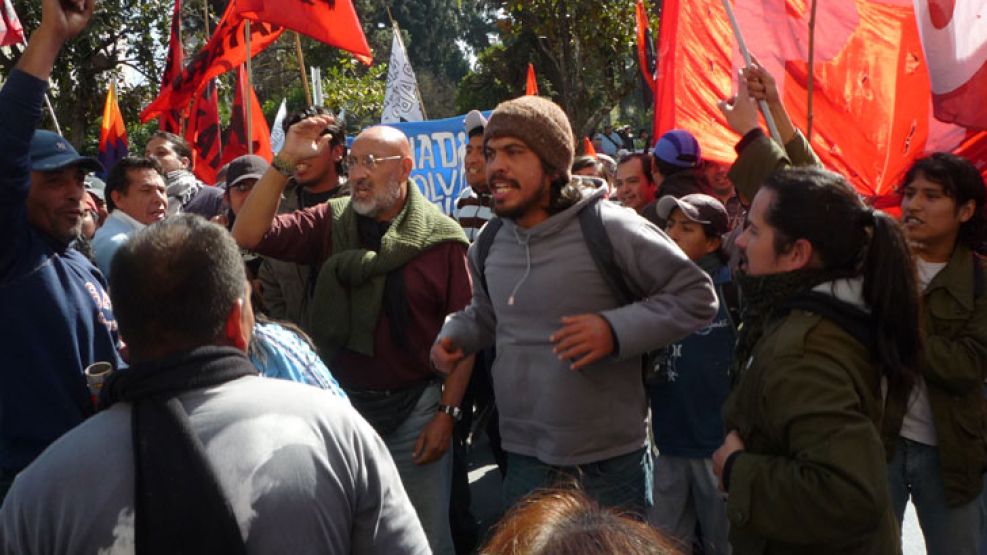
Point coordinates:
pixel 358 90
pixel 582 50
pixel 123 34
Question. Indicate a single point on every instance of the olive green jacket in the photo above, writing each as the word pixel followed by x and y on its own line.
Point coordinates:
pixel 955 321
pixel 762 157
pixel 813 476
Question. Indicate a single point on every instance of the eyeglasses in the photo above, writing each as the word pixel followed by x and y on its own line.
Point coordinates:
pixel 368 161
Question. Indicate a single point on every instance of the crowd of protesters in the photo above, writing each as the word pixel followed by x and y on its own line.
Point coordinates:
pixel 666 354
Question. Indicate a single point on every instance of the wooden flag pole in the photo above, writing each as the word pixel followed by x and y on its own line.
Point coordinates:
pixel 747 60
pixel 247 87
pixel 812 70
pixel 301 68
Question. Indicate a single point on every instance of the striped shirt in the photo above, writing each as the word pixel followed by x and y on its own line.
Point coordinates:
pixel 472 211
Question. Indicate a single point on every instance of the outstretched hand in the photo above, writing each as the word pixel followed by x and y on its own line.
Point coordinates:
pixel 741 110
pixel 302 139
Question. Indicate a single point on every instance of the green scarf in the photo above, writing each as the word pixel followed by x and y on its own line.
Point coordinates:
pixel 349 291
pixel 764 299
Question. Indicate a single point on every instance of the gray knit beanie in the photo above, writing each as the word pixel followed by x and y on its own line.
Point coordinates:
pixel 539 123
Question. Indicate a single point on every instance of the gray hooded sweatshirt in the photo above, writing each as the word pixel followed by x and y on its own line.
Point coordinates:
pixel 538 275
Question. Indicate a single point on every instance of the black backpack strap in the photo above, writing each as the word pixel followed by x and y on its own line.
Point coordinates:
pixel 731 298
pixel 483 243
pixel 600 247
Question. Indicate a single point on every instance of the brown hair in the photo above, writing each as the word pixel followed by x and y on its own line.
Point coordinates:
pixel 566 522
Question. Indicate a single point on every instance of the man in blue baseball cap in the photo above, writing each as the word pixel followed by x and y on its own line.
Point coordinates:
pixel 55 314
pixel 676 151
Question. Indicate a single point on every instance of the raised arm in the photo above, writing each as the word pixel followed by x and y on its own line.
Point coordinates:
pixel 261 206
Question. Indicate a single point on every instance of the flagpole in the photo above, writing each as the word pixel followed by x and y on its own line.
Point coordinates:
pixel 747 60
pixel 191 102
pixel 51 110
pixel 247 104
pixel 301 68
pixel 812 71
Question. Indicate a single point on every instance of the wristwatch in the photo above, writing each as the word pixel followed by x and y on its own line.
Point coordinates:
pixel 283 166
pixel 455 412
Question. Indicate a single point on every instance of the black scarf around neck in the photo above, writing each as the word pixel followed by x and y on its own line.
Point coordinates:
pixel 179 504
pixel 766 298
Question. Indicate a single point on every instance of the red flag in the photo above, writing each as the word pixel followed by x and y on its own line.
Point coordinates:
pixel 112 133
pixel 954 38
pixel 588 149
pixel 645 47
pixel 224 51
pixel 333 22
pixel 872 99
pixel 203 134
pixel 235 136
pixel 11 31
pixel 172 119
pixel 531 86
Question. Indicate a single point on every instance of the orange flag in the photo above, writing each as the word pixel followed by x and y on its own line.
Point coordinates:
pixel 235 136
pixel 588 149
pixel 224 51
pixel 333 22
pixel 645 46
pixel 531 86
pixel 872 100
pixel 112 133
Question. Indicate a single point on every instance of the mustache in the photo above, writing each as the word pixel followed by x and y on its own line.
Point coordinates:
pixel 504 179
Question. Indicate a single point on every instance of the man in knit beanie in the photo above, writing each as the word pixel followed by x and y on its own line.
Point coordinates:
pixel 567 375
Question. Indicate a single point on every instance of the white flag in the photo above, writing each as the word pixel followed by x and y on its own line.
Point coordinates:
pixel 277 134
pixel 401 99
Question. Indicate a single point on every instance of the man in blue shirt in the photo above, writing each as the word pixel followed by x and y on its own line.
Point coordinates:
pixel 55 315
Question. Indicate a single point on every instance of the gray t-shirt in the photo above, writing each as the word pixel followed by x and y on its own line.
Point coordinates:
pixel 303 471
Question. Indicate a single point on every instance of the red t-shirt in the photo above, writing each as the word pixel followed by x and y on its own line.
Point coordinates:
pixel 437 283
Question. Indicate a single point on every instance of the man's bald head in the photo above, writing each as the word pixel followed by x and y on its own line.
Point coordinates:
pixel 388 137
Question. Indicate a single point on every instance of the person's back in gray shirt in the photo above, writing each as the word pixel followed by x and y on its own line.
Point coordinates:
pixel 303 472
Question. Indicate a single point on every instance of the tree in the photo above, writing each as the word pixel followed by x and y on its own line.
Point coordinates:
pixel 582 51
pixel 122 34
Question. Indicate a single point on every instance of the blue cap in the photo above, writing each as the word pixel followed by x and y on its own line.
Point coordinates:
pixel 50 152
pixel 679 148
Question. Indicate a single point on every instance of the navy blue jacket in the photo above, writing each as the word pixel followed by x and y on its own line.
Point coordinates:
pixel 55 314
pixel 686 411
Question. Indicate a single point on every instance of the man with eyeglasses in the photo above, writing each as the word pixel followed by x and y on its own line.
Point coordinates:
pixel 392 267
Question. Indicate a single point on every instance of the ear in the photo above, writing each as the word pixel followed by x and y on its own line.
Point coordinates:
pixel 407 164
pixel 800 256
pixel 713 244
pixel 186 163
pixel 115 196
pixel 966 211
pixel 336 154
pixel 235 323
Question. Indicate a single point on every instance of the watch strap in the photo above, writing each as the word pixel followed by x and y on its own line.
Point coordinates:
pixel 283 166
pixel 455 412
